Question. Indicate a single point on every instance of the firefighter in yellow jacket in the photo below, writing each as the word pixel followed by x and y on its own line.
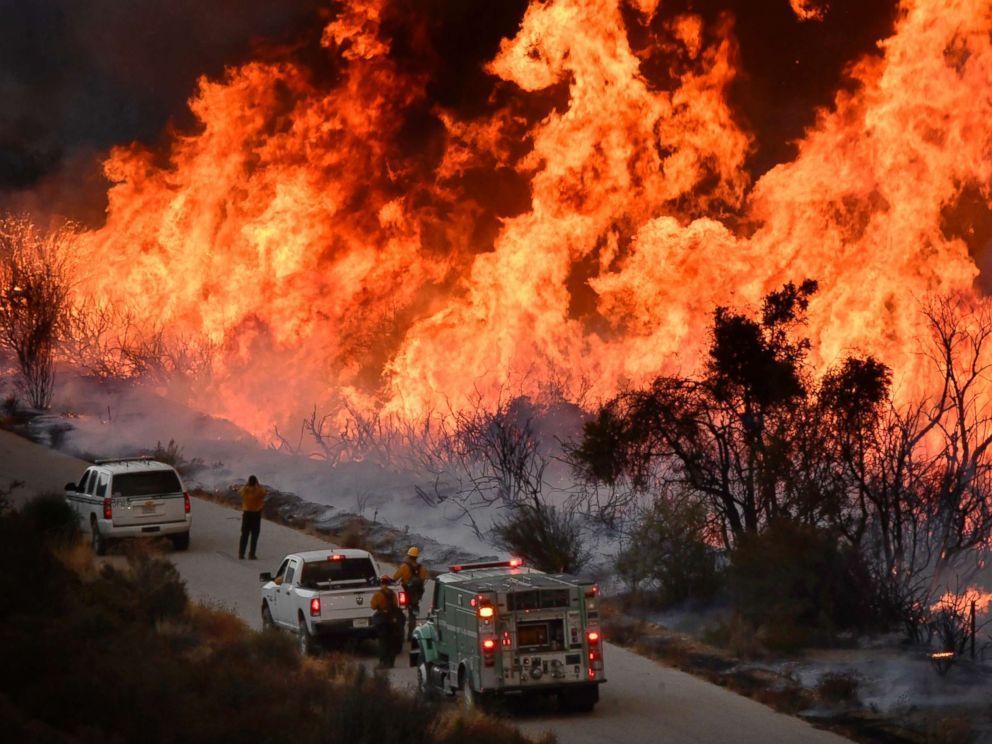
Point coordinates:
pixel 412 576
pixel 387 619
pixel 252 499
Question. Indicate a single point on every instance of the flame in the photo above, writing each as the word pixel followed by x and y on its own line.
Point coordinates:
pixel 328 259
pixel 963 601
pixel 809 10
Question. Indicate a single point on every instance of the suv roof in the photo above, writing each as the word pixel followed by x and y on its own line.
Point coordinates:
pixel 131 465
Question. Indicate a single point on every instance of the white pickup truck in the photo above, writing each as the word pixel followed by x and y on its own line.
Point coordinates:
pixel 321 594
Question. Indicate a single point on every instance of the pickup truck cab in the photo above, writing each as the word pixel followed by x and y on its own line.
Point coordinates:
pixel 321 594
pixel 131 497
pixel 502 629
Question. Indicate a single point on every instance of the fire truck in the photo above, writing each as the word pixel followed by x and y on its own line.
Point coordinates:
pixel 502 629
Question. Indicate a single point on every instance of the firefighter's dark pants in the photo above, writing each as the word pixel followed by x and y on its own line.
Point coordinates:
pixel 251 525
pixel 387 633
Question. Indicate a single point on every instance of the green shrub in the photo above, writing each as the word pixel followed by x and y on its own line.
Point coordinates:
pixel 800 585
pixel 51 516
pixel 156 669
pixel 666 553
pixel 148 590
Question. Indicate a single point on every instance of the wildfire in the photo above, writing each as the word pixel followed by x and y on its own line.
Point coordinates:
pixel 950 600
pixel 300 232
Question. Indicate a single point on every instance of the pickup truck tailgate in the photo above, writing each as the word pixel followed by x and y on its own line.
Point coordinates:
pixel 346 603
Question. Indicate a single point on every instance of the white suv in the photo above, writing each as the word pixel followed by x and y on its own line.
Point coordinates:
pixel 134 497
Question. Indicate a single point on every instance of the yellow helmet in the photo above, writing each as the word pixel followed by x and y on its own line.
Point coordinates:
pixel 413 552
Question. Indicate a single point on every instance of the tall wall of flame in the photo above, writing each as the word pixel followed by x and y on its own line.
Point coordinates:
pixel 327 258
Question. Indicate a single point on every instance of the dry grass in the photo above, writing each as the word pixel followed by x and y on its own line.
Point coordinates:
pixel 77 556
pixel 215 624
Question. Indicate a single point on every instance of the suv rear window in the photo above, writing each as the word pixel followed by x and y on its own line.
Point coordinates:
pixel 150 483
pixel 316 573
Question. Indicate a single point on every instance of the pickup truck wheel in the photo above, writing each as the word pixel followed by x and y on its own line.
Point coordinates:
pixel 98 541
pixel 305 639
pixel 181 541
pixel 267 622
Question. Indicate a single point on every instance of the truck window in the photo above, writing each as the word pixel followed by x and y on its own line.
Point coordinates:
pixel 282 569
pixel 101 488
pixel 150 483
pixel 290 572
pixel 91 483
pixel 318 574
pixel 81 488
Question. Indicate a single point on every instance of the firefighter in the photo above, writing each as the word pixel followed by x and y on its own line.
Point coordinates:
pixel 412 576
pixel 387 619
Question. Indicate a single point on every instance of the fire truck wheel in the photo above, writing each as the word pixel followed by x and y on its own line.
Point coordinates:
pixel 581 700
pixel 426 689
pixel 472 700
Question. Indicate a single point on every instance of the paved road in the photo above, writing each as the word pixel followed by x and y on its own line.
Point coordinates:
pixel 643 701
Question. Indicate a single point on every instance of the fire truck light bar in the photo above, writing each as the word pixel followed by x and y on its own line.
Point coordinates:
pixel 512 563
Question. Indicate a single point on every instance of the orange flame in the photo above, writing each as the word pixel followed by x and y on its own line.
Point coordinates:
pixel 295 231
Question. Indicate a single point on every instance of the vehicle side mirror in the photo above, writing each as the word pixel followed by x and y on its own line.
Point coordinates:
pixel 265 576
pixel 70 486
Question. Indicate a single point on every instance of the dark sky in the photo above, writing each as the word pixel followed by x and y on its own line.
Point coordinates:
pixel 78 76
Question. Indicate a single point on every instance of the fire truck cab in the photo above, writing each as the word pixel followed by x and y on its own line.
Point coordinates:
pixel 499 629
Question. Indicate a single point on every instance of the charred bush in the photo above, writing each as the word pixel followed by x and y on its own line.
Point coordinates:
pixel 838 688
pixel 172 454
pixel 547 537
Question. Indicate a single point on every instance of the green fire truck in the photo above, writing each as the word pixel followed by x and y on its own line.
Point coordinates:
pixel 500 629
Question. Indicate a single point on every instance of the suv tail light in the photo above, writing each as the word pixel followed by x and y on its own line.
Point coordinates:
pixel 401 598
pixel 315 607
pixel 108 509
pixel 186 504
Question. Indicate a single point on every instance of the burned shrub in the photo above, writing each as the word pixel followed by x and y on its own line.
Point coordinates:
pixel 838 688
pixel 547 537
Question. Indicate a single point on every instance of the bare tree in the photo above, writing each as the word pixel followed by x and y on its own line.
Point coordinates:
pixel 34 298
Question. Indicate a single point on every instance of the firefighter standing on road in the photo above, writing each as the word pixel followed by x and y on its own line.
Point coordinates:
pixel 252 499
pixel 412 576
pixel 387 618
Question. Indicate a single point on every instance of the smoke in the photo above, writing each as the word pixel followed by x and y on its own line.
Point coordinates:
pixel 77 78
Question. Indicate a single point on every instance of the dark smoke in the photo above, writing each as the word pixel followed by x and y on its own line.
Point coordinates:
pixel 78 76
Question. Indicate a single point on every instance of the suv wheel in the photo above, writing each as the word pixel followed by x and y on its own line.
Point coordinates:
pixel 98 541
pixel 304 639
pixel 181 541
